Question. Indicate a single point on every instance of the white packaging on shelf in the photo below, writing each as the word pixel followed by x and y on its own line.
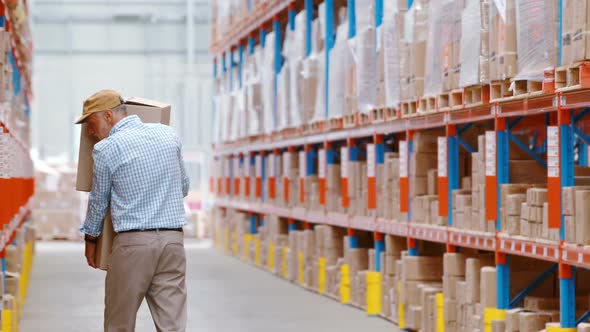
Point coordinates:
pixel 283 101
pixel 439 34
pixel 268 77
pixel 502 40
pixel 470 43
pixel 536 27
pixel 294 53
pixel 416 35
pixel 309 87
pixel 240 109
pixel 365 55
pixel 392 39
pixel 338 55
pixel 320 101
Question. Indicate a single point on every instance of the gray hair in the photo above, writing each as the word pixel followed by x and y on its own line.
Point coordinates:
pixel 120 108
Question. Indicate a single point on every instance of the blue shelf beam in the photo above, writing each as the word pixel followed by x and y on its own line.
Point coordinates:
pixel 534 285
pixel 452 168
pixel 351 19
pixel 539 159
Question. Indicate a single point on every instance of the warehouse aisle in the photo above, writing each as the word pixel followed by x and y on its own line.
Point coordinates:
pixel 224 295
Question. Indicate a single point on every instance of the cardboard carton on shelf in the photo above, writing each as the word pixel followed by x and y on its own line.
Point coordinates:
pixel 149 111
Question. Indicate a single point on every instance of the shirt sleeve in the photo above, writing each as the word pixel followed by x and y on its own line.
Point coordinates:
pixel 99 198
pixel 184 176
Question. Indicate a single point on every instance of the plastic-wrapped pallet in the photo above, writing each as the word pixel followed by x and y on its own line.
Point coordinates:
pixel 341 54
pixel 294 53
pixel 474 43
pixel 416 35
pixel 536 26
pixel 283 90
pixel 393 32
pixel 268 77
pixel 365 55
pixel 253 87
pixel 575 41
pixel 502 41
pixel 439 35
pixel 310 76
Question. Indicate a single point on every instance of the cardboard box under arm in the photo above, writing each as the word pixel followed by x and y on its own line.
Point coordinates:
pixel 149 111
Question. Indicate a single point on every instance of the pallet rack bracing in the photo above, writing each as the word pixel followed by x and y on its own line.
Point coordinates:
pixel 561 112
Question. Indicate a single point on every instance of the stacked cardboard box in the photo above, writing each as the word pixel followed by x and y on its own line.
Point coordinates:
pixel 389 184
pixel 393 250
pixel 478 182
pixel 58 209
pixel 333 188
pixel 419 273
pixel 576 214
pixel 290 177
pixel 576 45
pixel 502 42
pixel 357 188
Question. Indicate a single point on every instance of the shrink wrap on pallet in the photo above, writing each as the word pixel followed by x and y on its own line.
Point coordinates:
pixel 295 53
pixel 253 88
pixel 340 54
pixel 392 34
pixel 416 35
pixel 268 95
pixel 439 34
pixel 283 112
pixel 536 37
pixel 502 40
pixel 474 48
pixel 365 55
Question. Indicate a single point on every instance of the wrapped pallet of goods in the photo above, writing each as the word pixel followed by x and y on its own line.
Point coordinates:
pixel 392 43
pixel 313 73
pixel 268 88
pixel 294 53
pixel 575 42
pixel 365 56
pixel 536 31
pixel 342 55
pixel 253 86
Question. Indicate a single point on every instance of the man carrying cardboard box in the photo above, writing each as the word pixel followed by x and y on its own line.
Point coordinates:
pixel 139 172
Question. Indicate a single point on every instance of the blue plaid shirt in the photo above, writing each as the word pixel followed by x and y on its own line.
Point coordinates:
pixel 139 170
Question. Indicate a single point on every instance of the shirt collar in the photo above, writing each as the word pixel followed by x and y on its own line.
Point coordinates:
pixel 124 123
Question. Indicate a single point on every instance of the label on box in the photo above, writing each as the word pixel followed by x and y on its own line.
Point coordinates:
pixel 553 151
pixel 403 159
pixel 490 153
pixel 302 164
pixel 344 159
pixel 286 163
pixel 371 160
pixel 322 163
pixel 442 157
pixel 258 166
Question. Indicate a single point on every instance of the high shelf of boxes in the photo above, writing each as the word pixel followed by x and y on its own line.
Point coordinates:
pixel 16 167
pixel 424 160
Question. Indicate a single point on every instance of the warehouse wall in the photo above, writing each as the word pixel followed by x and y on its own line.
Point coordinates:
pixel 77 54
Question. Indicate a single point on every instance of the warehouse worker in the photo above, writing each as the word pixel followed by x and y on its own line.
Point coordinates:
pixel 138 169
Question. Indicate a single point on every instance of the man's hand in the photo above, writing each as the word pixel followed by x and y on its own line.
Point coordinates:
pixel 91 254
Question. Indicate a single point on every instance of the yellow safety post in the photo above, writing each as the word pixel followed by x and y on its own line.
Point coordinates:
pixel 345 283
pixel 7 320
pixel 491 314
pixel 373 280
pixel 284 261
pixel 560 329
pixel 401 310
pixel 322 275
pixel 440 312
pixel 271 256
pixel 257 251
pixel 247 239
pixel 301 269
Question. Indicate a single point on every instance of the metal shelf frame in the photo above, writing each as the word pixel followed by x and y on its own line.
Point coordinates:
pixel 567 107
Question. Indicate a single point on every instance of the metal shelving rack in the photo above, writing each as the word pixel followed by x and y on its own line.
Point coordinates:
pixel 565 113
pixel 15 192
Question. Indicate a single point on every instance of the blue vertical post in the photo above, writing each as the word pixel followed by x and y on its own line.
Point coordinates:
pixel 278 65
pixel 308 26
pixel 292 13
pixel 583 155
pixel 567 280
pixel 413 248
pixel 262 37
pixel 253 228
pixel 379 248
pixel 378 12
pixel 502 175
pixel 241 64
pixel 351 19
pixel 4 264
pixel 453 168
pixel 353 156
pixel 231 69
pixel 330 40
pixel 379 240
pixel 410 3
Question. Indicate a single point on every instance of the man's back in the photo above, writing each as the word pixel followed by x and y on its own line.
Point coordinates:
pixel 147 177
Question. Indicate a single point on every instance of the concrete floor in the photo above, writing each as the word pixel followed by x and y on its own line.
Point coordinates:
pixel 224 295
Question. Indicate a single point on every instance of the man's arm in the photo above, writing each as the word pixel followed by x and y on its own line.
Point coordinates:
pixel 99 198
pixel 185 179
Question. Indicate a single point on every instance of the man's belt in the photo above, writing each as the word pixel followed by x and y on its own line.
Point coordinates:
pixel 153 230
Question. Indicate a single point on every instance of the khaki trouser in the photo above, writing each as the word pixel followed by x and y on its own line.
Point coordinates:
pixel 150 265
